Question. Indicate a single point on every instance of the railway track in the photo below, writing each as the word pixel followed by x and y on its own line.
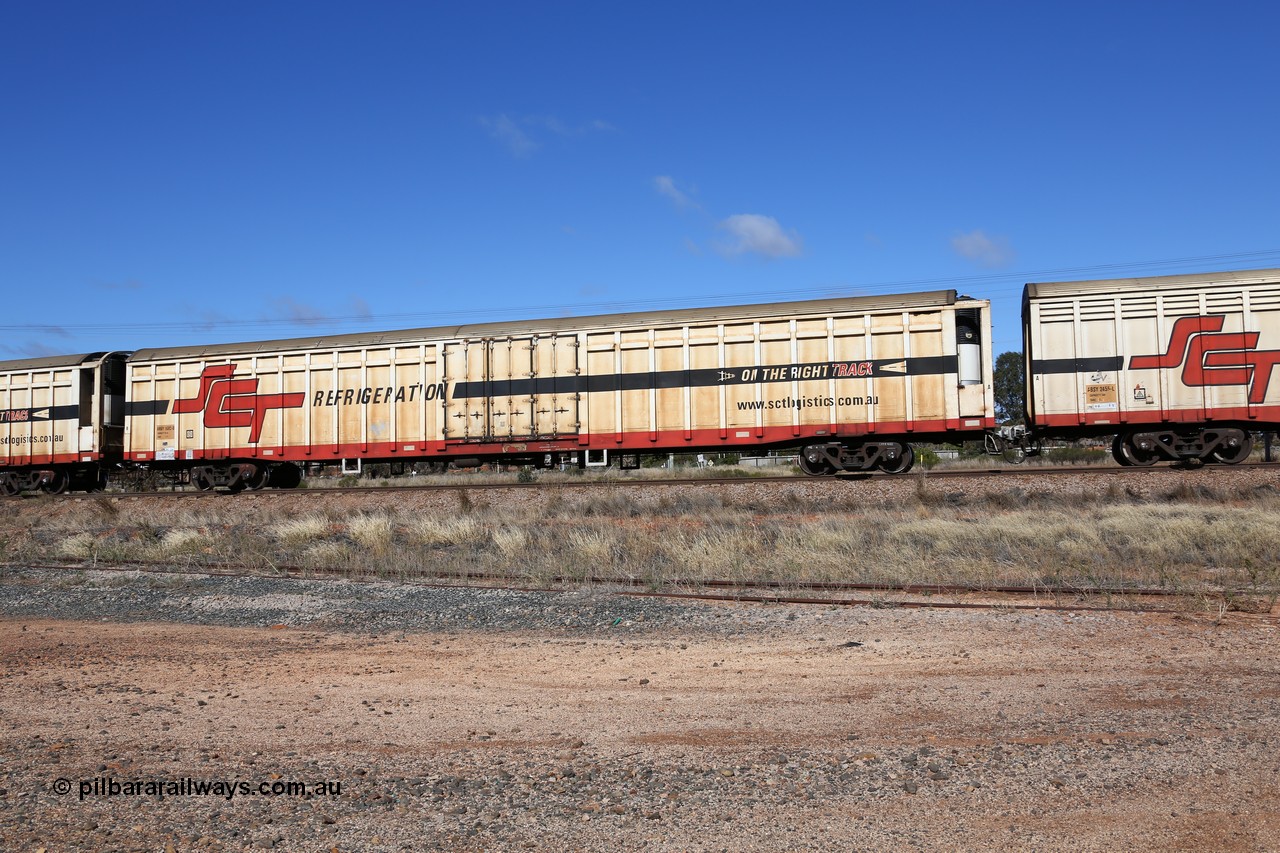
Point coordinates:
pixel 1065 598
pixel 459 483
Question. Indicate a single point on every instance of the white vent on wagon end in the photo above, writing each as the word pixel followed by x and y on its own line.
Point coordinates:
pixel 969 345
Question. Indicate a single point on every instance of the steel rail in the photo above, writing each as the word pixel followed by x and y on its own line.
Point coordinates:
pixel 237 569
pixel 843 478
pixel 294 573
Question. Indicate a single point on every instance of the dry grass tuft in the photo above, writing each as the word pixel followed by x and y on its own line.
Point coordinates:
pixel 375 534
pixel 299 532
pixel 458 532
pixel 511 542
pixel 78 546
pixel 177 542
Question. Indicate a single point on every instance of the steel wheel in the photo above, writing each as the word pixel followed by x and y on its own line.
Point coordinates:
pixel 286 476
pixel 9 485
pixel 254 477
pixel 819 466
pixel 1135 455
pixel 1234 455
pixel 55 483
pixel 201 482
pixel 89 481
pixel 901 465
pixel 1117 451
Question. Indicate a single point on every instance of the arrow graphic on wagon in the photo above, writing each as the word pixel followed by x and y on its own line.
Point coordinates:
pixel 896 367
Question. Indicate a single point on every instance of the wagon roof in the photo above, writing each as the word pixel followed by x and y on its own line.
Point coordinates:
pixel 1150 283
pixel 48 361
pixel 680 316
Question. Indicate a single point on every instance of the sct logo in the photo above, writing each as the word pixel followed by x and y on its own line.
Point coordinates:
pixel 228 402
pixel 1212 357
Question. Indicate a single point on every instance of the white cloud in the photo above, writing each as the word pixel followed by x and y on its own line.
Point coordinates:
pixel 559 128
pixel 666 186
pixel 983 250
pixel 517 133
pixel 360 308
pixel 129 284
pixel 291 310
pixel 30 349
pixel 756 234
pixel 298 312
pixel 505 129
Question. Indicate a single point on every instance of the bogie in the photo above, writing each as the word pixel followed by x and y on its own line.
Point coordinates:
pixel 1189 447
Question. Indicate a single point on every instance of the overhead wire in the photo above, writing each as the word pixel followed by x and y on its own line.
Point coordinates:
pixel 1011 279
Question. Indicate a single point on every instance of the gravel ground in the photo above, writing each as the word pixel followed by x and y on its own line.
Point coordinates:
pixel 339 605
pixel 485 719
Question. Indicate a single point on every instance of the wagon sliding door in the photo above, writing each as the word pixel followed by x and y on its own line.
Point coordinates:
pixel 554 399
pixel 512 389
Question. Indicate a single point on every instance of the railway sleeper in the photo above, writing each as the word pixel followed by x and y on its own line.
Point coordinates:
pixel 1225 445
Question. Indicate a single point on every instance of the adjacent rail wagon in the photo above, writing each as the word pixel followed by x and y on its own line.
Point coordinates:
pixel 851 381
pixel 61 421
pixel 1177 368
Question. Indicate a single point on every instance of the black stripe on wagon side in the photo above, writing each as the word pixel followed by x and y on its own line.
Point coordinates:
pixel 705 377
pixel 1076 365
pixel 39 413
pixel 147 407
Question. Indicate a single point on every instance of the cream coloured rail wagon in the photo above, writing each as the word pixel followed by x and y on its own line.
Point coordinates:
pixel 849 381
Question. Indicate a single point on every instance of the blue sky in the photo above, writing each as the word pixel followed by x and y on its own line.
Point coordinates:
pixel 177 173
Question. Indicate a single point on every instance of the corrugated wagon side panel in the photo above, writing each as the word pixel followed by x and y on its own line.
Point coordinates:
pixel 1152 393
pixel 638 411
pixel 294 421
pixel 741 353
pixel 706 353
pixel 817 404
pixel 930 393
pixel 888 344
pixel 270 422
pixel 851 344
pixel 1262 312
pixel 602 402
pixel 670 360
pixel 321 439
pixel 1054 377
